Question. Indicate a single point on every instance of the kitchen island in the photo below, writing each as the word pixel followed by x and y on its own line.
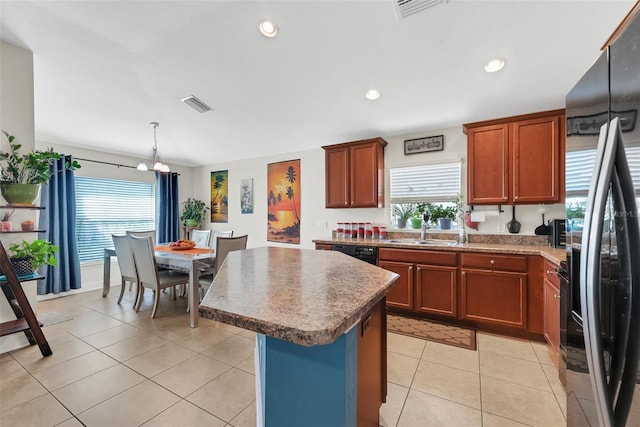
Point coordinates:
pixel 312 311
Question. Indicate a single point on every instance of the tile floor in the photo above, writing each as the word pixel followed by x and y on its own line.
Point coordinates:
pixel 112 366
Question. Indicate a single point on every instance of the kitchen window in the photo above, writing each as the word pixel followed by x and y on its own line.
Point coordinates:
pixel 433 183
pixel 108 206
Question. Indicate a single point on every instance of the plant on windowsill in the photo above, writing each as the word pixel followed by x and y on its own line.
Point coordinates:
pixel 26 257
pixel 403 211
pixel 193 213
pixel 442 215
pixel 417 218
pixel 22 174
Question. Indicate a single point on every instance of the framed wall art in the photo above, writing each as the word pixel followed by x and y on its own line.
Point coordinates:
pixel 246 196
pixel 283 201
pixel 220 196
pixel 423 145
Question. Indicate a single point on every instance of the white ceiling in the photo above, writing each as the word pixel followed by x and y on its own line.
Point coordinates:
pixel 104 69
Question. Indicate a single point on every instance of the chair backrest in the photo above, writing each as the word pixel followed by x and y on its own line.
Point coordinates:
pixel 216 234
pixel 145 260
pixel 201 237
pixel 124 254
pixel 226 245
pixel 150 233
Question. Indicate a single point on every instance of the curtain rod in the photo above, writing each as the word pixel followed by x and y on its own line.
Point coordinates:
pixel 113 164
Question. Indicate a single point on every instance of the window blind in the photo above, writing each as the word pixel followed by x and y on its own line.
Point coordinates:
pixel 105 207
pixel 579 170
pixel 430 183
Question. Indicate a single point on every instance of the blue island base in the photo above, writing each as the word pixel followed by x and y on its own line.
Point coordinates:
pixel 307 386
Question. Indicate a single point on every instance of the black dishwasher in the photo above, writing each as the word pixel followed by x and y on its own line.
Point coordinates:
pixel 365 253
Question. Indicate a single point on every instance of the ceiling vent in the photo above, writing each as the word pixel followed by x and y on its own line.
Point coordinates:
pixel 196 104
pixel 407 8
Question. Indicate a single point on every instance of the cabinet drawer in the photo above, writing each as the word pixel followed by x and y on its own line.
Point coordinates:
pixel 550 273
pixel 495 262
pixel 419 256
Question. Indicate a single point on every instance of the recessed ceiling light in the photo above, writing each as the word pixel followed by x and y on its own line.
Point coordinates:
pixel 372 94
pixel 494 65
pixel 268 29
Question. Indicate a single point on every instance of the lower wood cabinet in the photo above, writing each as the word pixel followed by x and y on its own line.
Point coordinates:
pixel 427 283
pixel 493 289
pixel 495 297
pixel 552 308
pixel 436 290
pixel 372 365
pixel 324 247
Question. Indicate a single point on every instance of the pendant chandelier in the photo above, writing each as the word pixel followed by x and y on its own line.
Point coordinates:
pixel 157 165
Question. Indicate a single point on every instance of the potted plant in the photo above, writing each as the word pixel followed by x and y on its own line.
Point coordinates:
pixel 418 216
pixel 26 257
pixel 22 174
pixel 442 215
pixel 194 212
pixel 403 212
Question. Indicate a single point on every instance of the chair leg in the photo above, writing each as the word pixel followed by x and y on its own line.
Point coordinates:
pixel 140 294
pixel 135 301
pixel 123 285
pixel 156 300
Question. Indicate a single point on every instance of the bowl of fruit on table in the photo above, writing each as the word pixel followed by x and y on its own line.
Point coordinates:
pixel 182 245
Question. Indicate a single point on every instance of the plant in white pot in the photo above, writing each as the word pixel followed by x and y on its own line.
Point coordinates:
pixel 194 212
pixel 22 174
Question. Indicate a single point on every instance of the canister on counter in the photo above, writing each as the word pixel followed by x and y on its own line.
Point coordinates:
pixel 375 232
pixel 368 231
pixel 383 232
pixel 361 230
pixel 346 230
pixel 340 230
pixel 354 230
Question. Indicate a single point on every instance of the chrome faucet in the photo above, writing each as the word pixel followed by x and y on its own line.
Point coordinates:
pixel 425 225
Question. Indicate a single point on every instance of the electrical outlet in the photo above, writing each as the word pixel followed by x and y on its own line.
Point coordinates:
pixel 323 224
pixel 502 227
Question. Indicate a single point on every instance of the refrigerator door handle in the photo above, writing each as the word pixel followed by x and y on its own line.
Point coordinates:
pixel 590 272
pixel 628 245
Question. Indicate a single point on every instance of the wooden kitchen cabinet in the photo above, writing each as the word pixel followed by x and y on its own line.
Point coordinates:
pixel 428 280
pixel 354 174
pixel 372 365
pixel 552 308
pixel 324 247
pixel 401 295
pixel 493 289
pixel 516 160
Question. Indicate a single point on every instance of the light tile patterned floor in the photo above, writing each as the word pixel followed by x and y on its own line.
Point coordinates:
pixel 114 367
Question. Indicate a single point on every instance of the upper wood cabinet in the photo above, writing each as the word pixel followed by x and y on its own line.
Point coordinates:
pixel 516 160
pixel 354 174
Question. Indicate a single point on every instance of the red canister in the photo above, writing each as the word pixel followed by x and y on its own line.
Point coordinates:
pixel 368 232
pixel 354 230
pixel 383 233
pixel 361 230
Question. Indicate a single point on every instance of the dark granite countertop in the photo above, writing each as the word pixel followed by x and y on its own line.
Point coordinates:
pixel 555 255
pixel 302 296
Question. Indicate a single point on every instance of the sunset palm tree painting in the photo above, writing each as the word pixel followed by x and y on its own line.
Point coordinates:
pixel 283 202
pixel 220 196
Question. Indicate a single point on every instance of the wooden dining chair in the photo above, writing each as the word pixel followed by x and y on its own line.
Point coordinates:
pixel 224 245
pixel 127 265
pixel 148 274
pixel 201 238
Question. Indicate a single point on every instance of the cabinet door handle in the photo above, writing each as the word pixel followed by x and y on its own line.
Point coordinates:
pixel 556 296
pixel 550 272
pixel 492 262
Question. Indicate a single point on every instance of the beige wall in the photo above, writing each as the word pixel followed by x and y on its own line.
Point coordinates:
pixel 315 215
pixel 17 118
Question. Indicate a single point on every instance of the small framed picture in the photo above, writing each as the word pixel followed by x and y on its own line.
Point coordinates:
pixel 422 145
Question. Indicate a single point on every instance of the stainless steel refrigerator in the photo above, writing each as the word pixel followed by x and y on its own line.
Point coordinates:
pixel 600 290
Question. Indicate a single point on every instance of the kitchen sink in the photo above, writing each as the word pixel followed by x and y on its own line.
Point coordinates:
pixel 438 242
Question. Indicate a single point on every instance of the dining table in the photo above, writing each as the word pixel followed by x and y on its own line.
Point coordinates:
pixel 184 260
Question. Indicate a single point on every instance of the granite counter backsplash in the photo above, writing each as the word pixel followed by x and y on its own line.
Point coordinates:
pixel 504 239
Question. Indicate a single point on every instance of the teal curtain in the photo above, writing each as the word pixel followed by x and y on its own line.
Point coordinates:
pixel 58 197
pixel 167 207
